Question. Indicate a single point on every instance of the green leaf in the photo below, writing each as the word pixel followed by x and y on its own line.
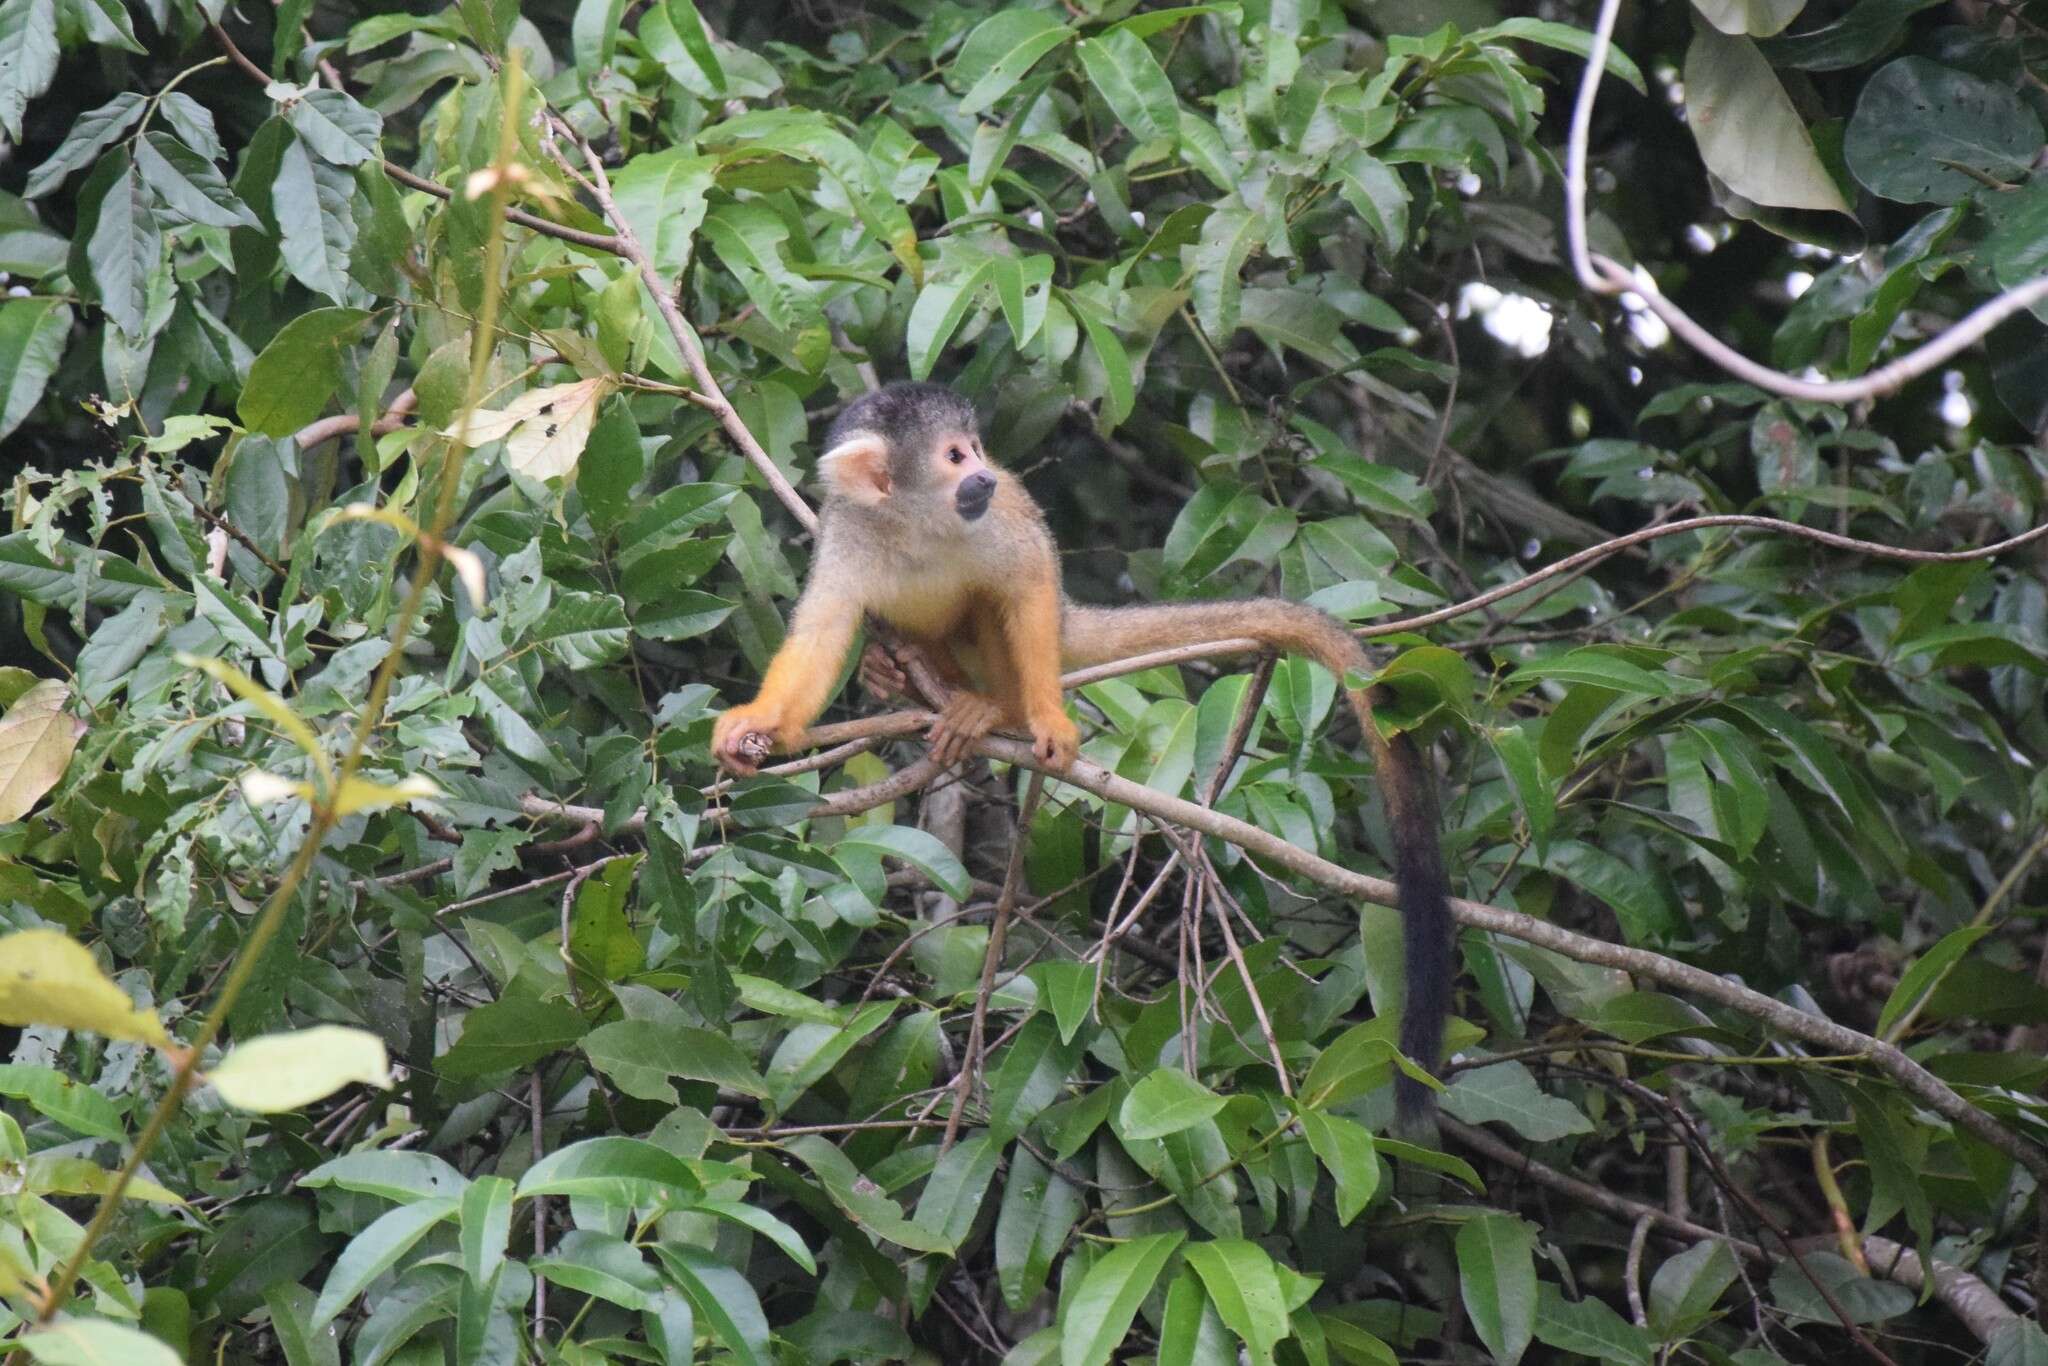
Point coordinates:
pixel 1132 83
pixel 662 195
pixel 389 1174
pixel 1604 667
pixel 189 184
pixel 32 336
pixel 1095 1319
pixel 1641 903
pixel 1497 1281
pixel 722 1298
pixel 767 1225
pixel 1164 1102
pixel 1040 1207
pixel 1354 1062
pixel 1506 1093
pixel 1852 1297
pixel 91 134
pixel 28 35
pixel 1757 18
pixel 1120 390
pixel 1748 132
pixel 1029 1077
pixel 294 376
pixel 860 1199
pixel 641 1054
pixel 599 1264
pixel 1865 29
pixel 1067 989
pixel 125 248
pixel 584 630
pixel 1918 121
pixel 1686 1287
pixel 291 1312
pixel 749 239
pixel 512 1032
pixel 1587 1328
pixel 375 1251
pixel 940 307
pixel 1217 262
pixel 628 1172
pixel 810 1051
pixel 1564 38
pixel 918 848
pixel 696 40
pixel 1244 1285
pixel 1000 50
pixel 337 128
pixel 314 205
pixel 71 1103
pixel 486 1224
pixel 954 1192
pixel 1345 1147
pixel 1926 972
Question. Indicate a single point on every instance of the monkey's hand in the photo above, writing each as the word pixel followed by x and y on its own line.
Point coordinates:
pixel 881 673
pixel 1055 740
pixel 961 724
pixel 742 737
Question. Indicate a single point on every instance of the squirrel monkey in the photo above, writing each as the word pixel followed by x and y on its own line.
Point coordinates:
pixel 921 531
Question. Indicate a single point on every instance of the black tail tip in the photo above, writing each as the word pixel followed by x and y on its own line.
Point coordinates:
pixel 1414 1105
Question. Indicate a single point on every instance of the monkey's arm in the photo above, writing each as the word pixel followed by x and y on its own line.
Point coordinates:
pixel 799 679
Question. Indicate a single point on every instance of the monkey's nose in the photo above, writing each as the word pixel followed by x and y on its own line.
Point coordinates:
pixel 971 498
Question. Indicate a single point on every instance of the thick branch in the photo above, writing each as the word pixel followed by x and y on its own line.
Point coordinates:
pixel 1967 1297
pixel 1826 1034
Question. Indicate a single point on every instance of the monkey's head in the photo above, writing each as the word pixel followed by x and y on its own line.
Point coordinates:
pixel 911 447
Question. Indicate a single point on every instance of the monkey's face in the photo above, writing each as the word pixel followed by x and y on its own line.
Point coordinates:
pixel 932 460
pixel 955 463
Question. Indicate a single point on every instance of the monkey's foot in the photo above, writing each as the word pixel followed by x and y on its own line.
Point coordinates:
pixel 881 673
pixel 961 725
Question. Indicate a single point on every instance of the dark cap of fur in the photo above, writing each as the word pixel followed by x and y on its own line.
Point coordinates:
pixel 905 414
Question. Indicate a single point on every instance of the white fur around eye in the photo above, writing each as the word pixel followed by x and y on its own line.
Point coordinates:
pixel 857 469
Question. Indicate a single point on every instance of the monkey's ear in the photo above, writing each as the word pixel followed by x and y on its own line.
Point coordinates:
pixel 857 468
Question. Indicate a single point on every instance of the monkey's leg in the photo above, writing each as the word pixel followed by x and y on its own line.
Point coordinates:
pixel 881 673
pixel 972 712
pixel 1031 633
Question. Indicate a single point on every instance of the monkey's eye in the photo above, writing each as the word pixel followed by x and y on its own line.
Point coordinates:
pixel 956 456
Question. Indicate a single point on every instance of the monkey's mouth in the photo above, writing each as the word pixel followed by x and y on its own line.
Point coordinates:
pixel 971 499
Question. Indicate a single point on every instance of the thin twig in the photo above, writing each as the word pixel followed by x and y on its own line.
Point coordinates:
pixel 998 933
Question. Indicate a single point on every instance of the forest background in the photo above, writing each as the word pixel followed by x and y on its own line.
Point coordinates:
pixel 409 419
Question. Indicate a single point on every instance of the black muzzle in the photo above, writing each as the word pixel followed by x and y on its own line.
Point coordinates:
pixel 970 500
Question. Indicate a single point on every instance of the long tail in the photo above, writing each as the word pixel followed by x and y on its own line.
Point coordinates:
pixel 1096 635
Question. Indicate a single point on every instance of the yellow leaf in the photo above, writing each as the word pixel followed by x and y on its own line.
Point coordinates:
pixel 263 787
pixel 36 739
pixel 370 512
pixel 284 1071
pixel 360 794
pixel 46 978
pixel 96 1342
pixel 544 430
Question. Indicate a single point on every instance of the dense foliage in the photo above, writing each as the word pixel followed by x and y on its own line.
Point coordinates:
pixel 319 340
